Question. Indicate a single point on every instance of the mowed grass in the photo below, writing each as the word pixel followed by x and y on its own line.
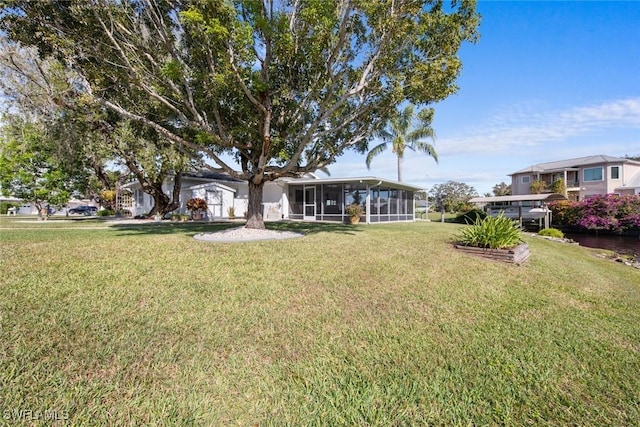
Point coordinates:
pixel 383 325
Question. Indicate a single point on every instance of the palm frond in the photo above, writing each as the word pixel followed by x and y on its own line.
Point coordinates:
pixel 325 170
pixel 424 147
pixel 421 133
pixel 385 134
pixel 378 149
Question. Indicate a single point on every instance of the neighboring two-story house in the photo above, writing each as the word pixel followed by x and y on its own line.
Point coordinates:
pixel 583 177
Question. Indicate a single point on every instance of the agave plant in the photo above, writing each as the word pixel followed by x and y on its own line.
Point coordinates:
pixel 494 232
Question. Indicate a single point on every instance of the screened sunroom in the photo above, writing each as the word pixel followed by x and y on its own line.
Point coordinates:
pixel 326 199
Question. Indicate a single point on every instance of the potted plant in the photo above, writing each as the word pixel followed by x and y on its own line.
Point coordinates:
pixel 197 207
pixel 354 211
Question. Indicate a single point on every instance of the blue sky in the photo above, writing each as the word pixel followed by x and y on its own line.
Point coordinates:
pixel 546 81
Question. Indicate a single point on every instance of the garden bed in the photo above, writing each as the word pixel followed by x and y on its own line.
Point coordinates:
pixel 516 255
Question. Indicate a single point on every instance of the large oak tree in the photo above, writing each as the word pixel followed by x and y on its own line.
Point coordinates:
pixel 283 86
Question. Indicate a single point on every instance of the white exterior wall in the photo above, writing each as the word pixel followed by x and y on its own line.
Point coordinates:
pixel 27 209
pixel 630 176
pixel 146 205
pixel 272 200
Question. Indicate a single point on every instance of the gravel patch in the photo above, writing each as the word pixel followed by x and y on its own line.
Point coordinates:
pixel 243 234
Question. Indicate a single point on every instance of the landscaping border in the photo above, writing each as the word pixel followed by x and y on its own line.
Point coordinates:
pixel 516 255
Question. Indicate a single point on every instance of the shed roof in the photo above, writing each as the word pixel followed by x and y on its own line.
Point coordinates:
pixel 210 184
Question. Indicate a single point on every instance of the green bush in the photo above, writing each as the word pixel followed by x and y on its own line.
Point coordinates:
pixel 551 232
pixel 5 206
pixel 471 216
pixel 495 232
pixel 106 212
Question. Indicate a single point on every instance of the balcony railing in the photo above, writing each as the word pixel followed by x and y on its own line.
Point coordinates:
pixel 569 184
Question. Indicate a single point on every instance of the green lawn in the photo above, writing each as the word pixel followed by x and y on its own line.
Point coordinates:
pixel 383 325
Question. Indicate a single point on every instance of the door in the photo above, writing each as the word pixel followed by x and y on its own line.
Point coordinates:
pixel 309 203
pixel 214 203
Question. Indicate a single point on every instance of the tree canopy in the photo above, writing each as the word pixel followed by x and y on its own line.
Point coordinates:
pixel 106 148
pixel 452 196
pixel 283 87
pixel 502 189
pixel 30 166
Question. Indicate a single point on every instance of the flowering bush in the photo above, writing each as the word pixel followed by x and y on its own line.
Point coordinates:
pixel 565 212
pixel 602 212
pixel 196 205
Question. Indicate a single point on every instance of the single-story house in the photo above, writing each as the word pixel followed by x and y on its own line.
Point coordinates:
pixel 308 199
pixel 27 208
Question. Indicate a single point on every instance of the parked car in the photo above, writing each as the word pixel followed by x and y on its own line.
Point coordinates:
pixel 83 210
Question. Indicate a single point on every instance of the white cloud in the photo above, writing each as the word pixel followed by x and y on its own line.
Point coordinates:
pixel 528 125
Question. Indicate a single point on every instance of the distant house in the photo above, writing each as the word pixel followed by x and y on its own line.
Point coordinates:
pixel 308 199
pixel 27 208
pixel 583 177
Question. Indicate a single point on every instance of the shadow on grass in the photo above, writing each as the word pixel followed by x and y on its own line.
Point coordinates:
pixel 193 228
pixel 165 227
pixel 314 227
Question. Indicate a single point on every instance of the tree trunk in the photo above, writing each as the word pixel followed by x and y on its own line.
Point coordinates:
pixel 39 206
pixel 162 204
pixel 399 169
pixel 160 201
pixel 254 214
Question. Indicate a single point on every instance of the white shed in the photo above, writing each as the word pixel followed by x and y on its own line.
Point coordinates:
pixel 219 198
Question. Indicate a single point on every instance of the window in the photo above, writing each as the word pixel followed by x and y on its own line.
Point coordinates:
pixel 615 172
pixel 393 201
pixel 296 197
pixel 332 199
pixel 374 193
pixel 593 174
pixel 526 179
pixel 384 201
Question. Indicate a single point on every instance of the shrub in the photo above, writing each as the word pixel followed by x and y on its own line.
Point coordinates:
pixel 231 212
pixel 196 204
pixel 601 212
pixel 354 210
pixel 558 186
pixel 538 187
pixel 5 206
pixel 565 212
pixel 551 232
pixel 494 232
pixel 471 216
pixel 106 212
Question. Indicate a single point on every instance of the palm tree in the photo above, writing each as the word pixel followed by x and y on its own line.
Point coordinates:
pixel 398 133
